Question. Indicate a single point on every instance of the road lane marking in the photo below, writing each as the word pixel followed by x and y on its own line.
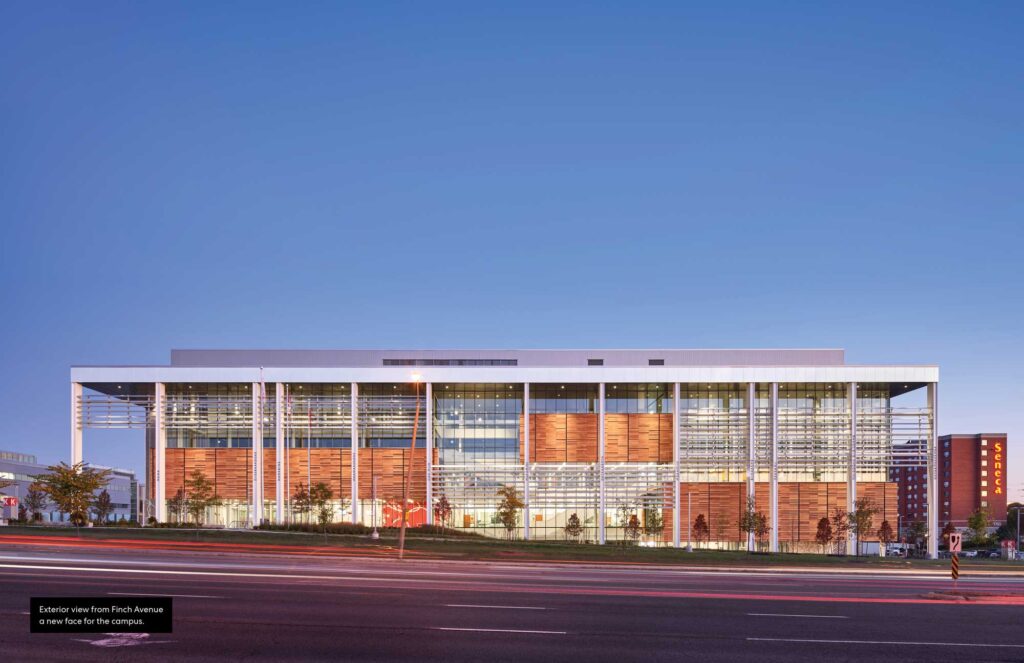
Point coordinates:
pixel 494 607
pixel 496 630
pixel 779 614
pixel 887 642
pixel 132 593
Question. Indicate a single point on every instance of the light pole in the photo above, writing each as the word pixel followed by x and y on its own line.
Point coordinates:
pixel 408 474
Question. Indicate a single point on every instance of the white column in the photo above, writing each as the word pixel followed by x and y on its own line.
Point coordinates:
pixel 773 546
pixel 851 485
pixel 354 434
pixel 751 453
pixel 76 423
pixel 257 455
pixel 526 460
pixel 933 475
pixel 430 453
pixel 676 516
pixel 279 444
pixel 159 453
pixel 600 461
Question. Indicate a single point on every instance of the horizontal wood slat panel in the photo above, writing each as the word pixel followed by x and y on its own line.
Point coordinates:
pixel 389 466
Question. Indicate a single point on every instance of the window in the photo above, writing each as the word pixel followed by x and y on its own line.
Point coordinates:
pixel 984 503
pixel 984 493
pixel 984 443
pixel 984 452
pixel 595 362
pixel 984 463
pixel 984 484
pixel 984 473
pixel 655 362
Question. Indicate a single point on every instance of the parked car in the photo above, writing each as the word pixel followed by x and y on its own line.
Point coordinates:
pixel 969 553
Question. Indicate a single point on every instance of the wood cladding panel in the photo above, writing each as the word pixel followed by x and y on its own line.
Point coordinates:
pixel 234 473
pixel 332 466
pixel 616 438
pixel 581 438
pixel 389 466
pixel 638 438
pixel 801 506
pixel 174 471
pixel 561 438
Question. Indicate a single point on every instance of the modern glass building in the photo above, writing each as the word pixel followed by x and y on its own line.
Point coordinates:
pixel 652 438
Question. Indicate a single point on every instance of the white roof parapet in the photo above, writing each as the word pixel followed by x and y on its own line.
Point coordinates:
pixel 507 374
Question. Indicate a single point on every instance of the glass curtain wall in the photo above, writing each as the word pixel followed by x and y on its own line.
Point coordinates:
pixel 477 437
pixel 564 479
pixel 387 418
pixel 638 463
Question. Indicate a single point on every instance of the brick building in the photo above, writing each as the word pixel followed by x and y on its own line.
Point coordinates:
pixel 972 475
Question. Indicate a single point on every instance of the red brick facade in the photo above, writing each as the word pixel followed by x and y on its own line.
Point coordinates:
pixel 972 475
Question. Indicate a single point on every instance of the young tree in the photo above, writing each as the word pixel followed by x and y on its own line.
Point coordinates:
pixel 840 529
pixel 748 520
pixel 917 533
pixel 654 522
pixel 633 529
pixel 102 507
pixel 700 531
pixel 823 537
pixel 860 519
pixel 71 488
pixel 442 511
pixel 978 522
pixel 302 505
pixel 761 529
pixel 201 496
pixel 320 496
pixel 573 529
pixel 885 533
pixel 35 501
pixel 177 506
pixel 508 509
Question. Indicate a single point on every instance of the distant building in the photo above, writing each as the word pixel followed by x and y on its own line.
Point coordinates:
pixel 21 467
pixel 912 483
pixel 972 476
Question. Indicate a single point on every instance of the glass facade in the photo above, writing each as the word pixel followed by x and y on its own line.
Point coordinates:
pixel 573 466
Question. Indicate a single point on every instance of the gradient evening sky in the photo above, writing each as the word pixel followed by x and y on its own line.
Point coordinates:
pixel 326 175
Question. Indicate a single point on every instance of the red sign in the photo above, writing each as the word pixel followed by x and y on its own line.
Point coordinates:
pixel 10 501
pixel 997 469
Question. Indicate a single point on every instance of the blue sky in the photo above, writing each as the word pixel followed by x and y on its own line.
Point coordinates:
pixel 459 175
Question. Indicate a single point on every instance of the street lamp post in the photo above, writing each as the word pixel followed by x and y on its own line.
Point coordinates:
pixel 408 475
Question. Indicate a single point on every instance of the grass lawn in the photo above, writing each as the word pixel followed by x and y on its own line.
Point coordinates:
pixel 472 548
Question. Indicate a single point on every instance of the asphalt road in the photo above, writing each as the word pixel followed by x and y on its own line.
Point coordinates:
pixel 268 607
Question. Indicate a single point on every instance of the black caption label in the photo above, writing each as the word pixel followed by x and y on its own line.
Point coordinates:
pixel 113 614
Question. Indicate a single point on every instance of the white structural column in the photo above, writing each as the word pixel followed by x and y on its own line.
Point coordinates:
pixel 773 546
pixel 676 516
pixel 429 459
pixel 600 462
pixel 76 423
pixel 526 461
pixel 933 475
pixel 279 445
pixel 751 452
pixel 159 453
pixel 257 454
pixel 354 434
pixel 851 485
